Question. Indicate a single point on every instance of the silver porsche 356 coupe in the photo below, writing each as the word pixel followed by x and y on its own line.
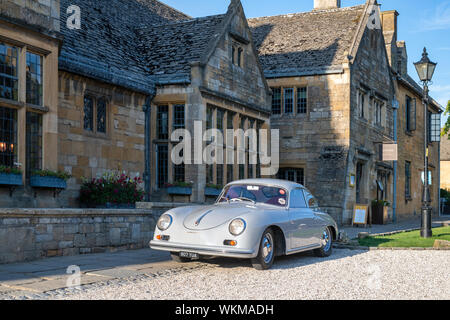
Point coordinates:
pixel 256 219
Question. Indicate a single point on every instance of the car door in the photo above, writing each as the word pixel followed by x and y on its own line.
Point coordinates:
pixel 301 218
pixel 315 226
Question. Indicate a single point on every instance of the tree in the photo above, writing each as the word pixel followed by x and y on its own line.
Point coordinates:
pixel 446 128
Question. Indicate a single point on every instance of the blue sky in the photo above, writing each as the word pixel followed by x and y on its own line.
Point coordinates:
pixel 421 23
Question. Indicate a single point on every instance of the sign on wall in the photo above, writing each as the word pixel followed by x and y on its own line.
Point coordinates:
pixel 390 152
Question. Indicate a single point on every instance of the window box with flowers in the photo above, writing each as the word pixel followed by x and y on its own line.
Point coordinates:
pixel 111 191
pixel 10 176
pixel 179 188
pixel 213 190
pixel 47 179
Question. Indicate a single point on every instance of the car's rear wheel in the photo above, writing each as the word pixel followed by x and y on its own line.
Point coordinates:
pixel 266 253
pixel 176 257
pixel 327 244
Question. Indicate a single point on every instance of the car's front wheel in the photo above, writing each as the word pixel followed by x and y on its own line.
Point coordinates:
pixel 266 253
pixel 327 244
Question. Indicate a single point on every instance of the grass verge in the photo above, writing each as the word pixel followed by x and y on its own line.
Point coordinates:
pixel 406 239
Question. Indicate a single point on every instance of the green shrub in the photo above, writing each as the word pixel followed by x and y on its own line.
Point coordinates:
pixel 48 173
pixel 10 170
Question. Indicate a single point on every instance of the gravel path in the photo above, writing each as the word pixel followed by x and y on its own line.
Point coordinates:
pixel 346 275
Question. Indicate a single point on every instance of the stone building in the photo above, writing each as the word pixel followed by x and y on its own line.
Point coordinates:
pixel 410 133
pixel 445 163
pixel 332 101
pixel 96 85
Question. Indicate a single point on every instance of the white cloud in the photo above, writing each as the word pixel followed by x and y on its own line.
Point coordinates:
pixel 439 19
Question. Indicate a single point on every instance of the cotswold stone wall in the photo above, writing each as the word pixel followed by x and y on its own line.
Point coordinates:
pixel 30 234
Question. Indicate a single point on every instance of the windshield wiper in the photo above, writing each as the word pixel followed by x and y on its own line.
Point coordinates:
pixel 244 199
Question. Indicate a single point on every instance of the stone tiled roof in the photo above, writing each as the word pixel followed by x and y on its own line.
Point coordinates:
pixel 445 149
pixel 305 43
pixel 169 49
pixel 106 46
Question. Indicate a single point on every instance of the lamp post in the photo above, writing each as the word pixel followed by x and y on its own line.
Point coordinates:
pixel 425 69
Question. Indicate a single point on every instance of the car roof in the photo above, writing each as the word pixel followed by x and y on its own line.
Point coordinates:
pixel 289 185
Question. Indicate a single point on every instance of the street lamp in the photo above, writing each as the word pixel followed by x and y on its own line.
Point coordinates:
pixel 425 69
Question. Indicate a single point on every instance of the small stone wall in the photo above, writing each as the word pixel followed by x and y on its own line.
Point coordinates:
pixel 30 234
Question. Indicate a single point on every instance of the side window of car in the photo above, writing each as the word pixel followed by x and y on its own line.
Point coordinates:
pixel 312 202
pixel 297 199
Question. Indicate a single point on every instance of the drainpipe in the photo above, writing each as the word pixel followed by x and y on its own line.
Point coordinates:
pixel 394 202
pixel 147 174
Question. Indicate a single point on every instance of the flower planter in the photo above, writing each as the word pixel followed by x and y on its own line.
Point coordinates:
pixel 212 192
pixel 109 205
pixel 379 214
pixel 48 182
pixel 179 191
pixel 9 179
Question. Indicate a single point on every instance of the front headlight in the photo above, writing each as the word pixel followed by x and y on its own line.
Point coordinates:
pixel 237 227
pixel 164 222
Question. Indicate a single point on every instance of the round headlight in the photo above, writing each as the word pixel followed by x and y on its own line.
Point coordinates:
pixel 237 227
pixel 164 222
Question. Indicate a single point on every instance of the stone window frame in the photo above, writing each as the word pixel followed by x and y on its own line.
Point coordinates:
pixel 13 77
pixel 361 102
pixel 379 106
pixel 96 97
pixel 29 54
pixel 295 100
pixel 34 142
pixel 8 115
pixel 410 114
pixel 244 122
pixel 302 106
pixel 408 176
pixel 237 54
pixel 286 173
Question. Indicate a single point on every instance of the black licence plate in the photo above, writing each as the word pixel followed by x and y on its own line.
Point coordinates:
pixel 190 255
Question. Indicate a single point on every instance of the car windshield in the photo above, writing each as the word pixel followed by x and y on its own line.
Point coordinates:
pixel 255 194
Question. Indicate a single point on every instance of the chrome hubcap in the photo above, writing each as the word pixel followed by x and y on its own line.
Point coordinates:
pixel 267 247
pixel 326 240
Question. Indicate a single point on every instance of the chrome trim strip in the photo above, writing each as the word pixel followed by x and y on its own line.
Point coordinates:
pixel 305 248
pixel 202 250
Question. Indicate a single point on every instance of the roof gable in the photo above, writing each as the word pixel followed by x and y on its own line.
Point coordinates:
pixel 306 43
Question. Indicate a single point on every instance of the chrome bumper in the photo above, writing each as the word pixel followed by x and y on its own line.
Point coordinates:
pixel 203 250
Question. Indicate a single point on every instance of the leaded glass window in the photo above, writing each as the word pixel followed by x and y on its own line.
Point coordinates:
pixel 101 115
pixel 163 165
pixel 88 113
pixel 34 79
pixel 163 122
pixel 276 101
pixel 34 142
pixel 8 136
pixel 9 80
pixel 288 100
pixel 302 100
pixel 178 117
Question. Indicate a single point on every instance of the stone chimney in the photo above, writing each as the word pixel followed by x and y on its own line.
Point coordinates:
pixel 326 4
pixel 39 13
pixel 402 59
pixel 389 24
